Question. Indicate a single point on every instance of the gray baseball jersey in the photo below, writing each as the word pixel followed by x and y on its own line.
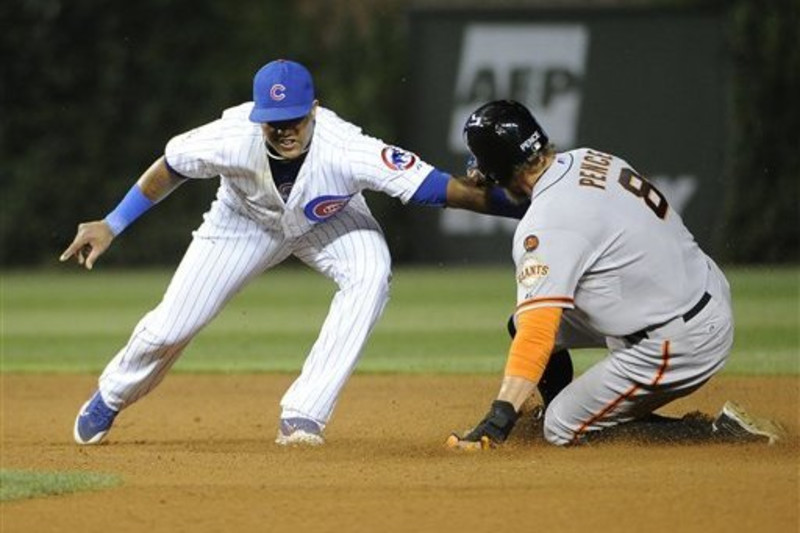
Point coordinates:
pixel 601 242
pixel 325 222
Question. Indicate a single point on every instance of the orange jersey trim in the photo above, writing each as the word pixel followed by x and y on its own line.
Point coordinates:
pixel 627 394
pixel 546 301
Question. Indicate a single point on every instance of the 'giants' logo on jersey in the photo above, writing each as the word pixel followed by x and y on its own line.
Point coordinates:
pixel 531 270
pixel 324 207
pixel 397 159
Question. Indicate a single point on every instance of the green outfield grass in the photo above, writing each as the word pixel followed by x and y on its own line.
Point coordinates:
pixel 23 484
pixel 439 320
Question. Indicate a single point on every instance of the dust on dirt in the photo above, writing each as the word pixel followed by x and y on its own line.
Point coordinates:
pixel 198 455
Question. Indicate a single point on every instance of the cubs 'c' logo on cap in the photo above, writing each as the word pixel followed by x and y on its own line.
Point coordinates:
pixel 324 207
pixel 530 243
pixel 277 92
pixel 397 159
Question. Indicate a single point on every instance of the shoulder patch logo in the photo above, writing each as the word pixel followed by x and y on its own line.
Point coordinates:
pixel 397 159
pixel 531 270
pixel 530 243
pixel 324 207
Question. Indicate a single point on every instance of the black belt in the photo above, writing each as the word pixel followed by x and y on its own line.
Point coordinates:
pixel 637 336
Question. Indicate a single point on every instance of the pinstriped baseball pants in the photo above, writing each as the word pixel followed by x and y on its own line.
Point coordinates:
pixel 227 251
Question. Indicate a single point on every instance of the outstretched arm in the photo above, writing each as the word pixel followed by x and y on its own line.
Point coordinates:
pixel 470 192
pixel 527 360
pixel 94 237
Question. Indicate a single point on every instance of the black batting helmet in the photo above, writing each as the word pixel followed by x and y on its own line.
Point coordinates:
pixel 501 135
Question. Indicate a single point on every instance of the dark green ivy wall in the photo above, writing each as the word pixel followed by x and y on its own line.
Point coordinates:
pixel 91 91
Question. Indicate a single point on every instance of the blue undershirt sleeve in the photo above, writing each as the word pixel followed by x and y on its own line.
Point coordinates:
pixel 501 205
pixel 433 191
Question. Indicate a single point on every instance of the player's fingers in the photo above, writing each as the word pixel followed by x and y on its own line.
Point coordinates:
pixel 94 253
pixel 77 245
pixel 454 442
pixel 70 251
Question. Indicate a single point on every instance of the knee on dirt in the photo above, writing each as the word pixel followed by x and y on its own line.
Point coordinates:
pixel 556 430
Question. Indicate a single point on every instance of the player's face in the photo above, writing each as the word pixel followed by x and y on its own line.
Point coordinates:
pixel 290 138
pixel 517 187
pixel 526 175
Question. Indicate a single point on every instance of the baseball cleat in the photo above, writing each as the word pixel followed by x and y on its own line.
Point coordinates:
pixel 733 421
pixel 93 421
pixel 299 431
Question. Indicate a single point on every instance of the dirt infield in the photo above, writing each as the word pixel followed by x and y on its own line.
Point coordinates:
pixel 197 455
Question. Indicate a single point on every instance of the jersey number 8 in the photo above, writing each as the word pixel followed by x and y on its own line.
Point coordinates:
pixel 640 187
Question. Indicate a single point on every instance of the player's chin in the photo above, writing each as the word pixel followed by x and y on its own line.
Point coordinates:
pixel 288 150
pixel 517 196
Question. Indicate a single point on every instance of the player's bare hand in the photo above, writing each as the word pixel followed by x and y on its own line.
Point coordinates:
pixel 91 240
pixel 473 175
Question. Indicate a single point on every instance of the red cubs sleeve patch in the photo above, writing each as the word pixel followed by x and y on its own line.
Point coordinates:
pixel 324 207
pixel 397 159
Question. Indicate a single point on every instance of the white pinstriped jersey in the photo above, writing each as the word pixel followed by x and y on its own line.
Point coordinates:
pixel 341 162
pixel 599 238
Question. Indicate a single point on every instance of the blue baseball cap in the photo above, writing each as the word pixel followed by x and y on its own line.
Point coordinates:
pixel 282 90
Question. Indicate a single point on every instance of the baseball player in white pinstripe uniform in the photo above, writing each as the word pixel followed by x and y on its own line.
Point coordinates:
pixel 291 176
pixel 601 261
